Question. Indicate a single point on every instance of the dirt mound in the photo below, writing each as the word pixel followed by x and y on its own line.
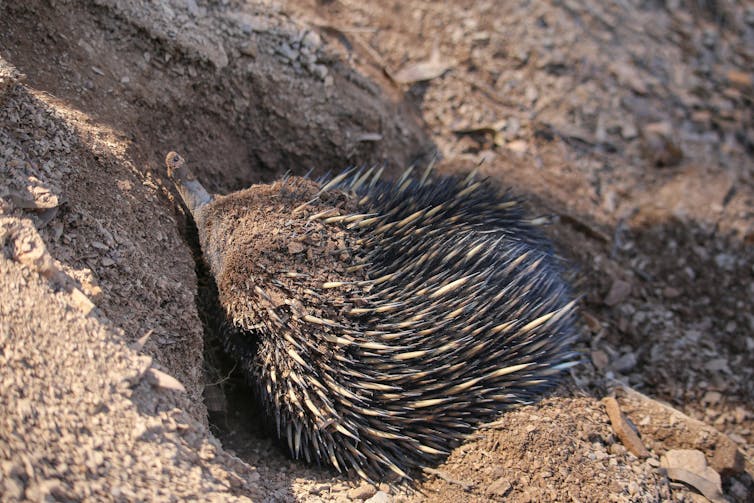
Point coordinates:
pixel 629 122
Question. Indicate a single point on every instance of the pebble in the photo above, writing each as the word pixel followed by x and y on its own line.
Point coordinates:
pixel 628 130
pixel 362 492
pixel 531 94
pixel 659 145
pixel 500 487
pixel 670 293
pixel 619 292
pixel 711 398
pixel 625 363
pixel 380 497
pixel 617 449
pixel 725 261
pixel 740 80
pixel 728 460
pixel 518 146
pixel 319 489
pixel 600 359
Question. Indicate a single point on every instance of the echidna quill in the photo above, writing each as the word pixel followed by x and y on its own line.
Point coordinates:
pixel 390 318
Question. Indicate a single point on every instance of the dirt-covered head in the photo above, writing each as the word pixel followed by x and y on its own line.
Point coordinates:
pixel 192 192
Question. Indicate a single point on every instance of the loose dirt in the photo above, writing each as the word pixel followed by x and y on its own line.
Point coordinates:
pixel 628 123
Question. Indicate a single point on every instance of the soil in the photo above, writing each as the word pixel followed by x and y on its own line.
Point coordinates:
pixel 630 124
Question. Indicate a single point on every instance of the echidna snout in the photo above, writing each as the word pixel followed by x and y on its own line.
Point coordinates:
pixel 391 318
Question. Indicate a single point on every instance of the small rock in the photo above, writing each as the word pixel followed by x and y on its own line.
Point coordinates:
pixel 512 127
pixel 701 117
pixel 625 363
pixel 711 398
pixel 249 49
pixel 320 71
pixel 592 322
pixel 319 489
pixel 362 492
pixel 740 80
pixel 380 497
pixel 670 293
pixel 81 301
pixel 628 76
pixel 718 365
pixel 600 359
pixel 619 292
pixel 518 146
pixel 725 261
pixel 500 487
pixel 628 130
pixel 617 449
pixel 295 247
pixel 728 460
pixel 531 94
pixel 659 145
pixel 740 414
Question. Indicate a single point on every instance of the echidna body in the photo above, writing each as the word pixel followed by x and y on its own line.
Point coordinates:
pixel 390 318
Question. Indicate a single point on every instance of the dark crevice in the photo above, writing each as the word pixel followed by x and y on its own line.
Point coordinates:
pixel 231 405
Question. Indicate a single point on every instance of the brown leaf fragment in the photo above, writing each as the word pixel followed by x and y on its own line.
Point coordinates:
pixel 623 430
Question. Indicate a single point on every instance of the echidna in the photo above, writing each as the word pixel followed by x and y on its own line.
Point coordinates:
pixel 390 318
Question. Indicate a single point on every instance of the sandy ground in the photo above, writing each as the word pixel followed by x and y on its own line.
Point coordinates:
pixel 630 123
